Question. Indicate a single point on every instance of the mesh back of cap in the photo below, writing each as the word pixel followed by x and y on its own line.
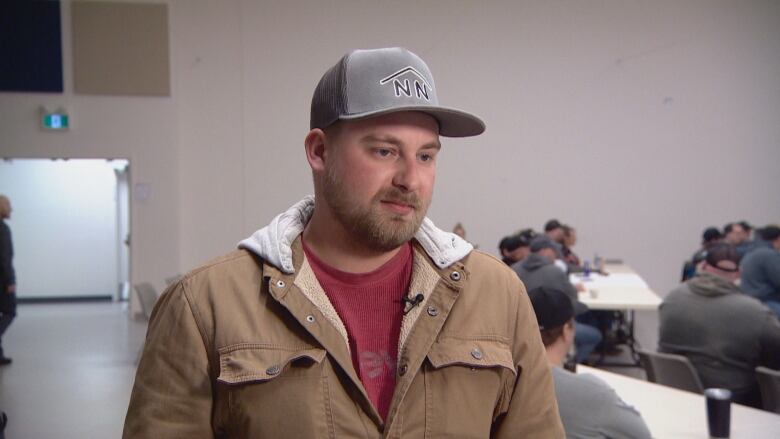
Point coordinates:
pixel 329 100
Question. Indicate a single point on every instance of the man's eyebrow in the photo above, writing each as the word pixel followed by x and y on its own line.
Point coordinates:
pixel 371 138
pixel 436 144
pixel 386 138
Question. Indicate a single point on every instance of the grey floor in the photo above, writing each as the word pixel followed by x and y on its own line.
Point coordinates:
pixel 72 371
pixel 74 366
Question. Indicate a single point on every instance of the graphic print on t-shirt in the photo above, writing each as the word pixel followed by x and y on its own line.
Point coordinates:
pixel 373 364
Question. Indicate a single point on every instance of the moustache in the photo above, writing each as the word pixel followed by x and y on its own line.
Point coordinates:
pixel 396 196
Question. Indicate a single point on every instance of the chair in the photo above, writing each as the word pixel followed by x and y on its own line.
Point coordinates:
pixel 670 370
pixel 147 296
pixel 769 384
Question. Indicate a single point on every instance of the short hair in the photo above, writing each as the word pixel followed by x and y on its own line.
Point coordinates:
pixel 745 225
pixel 728 228
pixel 552 225
pixel 549 336
pixel 333 130
pixel 770 233
pixel 5 205
pixel 711 234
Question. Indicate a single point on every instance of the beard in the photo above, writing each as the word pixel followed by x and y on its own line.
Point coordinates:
pixel 373 226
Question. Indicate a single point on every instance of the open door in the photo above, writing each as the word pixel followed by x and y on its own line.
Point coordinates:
pixel 70 225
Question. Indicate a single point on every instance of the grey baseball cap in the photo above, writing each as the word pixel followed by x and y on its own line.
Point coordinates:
pixel 367 83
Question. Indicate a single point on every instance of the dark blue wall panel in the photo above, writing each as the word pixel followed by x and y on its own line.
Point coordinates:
pixel 30 46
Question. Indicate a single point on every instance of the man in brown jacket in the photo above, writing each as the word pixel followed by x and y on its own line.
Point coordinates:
pixel 351 314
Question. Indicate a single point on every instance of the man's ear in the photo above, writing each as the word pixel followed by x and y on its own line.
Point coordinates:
pixel 315 149
pixel 569 331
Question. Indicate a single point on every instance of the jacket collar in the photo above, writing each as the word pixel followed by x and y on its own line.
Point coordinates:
pixel 274 242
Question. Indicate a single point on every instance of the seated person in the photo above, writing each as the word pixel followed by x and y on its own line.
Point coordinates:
pixel 589 408
pixel 761 269
pixel 569 241
pixel 723 332
pixel 539 270
pixel 710 237
pixel 514 248
pixel 738 235
pixel 554 230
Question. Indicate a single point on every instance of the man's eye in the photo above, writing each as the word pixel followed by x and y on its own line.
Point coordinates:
pixel 384 152
pixel 426 157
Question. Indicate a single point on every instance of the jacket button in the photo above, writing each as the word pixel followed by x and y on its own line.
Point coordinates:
pixel 433 311
pixel 310 318
pixel 273 370
pixel 455 276
pixel 280 283
pixel 403 369
pixel 476 353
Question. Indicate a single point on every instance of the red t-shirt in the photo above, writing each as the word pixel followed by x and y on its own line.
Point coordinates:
pixel 371 308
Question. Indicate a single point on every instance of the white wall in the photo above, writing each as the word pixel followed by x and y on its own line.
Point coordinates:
pixel 640 123
pixel 140 129
pixel 64 225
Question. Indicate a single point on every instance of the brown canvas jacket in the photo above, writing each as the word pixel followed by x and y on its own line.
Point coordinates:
pixel 241 349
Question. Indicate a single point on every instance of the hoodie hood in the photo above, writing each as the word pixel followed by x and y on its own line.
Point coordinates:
pixel 273 242
pixel 535 261
pixel 710 285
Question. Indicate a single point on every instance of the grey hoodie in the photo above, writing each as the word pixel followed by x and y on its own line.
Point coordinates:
pixel 724 333
pixel 274 242
pixel 538 271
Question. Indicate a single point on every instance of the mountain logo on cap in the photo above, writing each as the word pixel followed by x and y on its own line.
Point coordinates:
pixel 419 87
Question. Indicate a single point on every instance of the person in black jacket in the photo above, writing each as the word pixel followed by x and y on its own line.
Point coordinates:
pixel 7 275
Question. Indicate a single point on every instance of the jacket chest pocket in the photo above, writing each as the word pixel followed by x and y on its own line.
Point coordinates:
pixel 468 383
pixel 275 391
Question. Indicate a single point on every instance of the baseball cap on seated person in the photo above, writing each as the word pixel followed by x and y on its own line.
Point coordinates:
pixel 543 241
pixel 368 83
pixel 553 308
pixel 723 256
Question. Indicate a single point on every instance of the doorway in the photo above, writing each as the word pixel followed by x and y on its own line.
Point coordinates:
pixel 70 226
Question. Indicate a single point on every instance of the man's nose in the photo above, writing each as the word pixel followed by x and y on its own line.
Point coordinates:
pixel 407 175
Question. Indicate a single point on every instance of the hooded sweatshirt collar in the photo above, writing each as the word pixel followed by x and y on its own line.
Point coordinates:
pixel 710 285
pixel 273 242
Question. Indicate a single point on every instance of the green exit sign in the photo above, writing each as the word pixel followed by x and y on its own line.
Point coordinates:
pixel 55 121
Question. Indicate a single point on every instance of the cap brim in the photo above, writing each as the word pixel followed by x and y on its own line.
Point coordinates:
pixel 452 122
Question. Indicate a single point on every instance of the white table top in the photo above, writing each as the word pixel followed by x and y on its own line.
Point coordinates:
pixel 671 413
pixel 621 289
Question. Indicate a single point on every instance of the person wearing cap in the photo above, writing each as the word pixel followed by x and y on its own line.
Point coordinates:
pixel 351 314
pixel 723 332
pixel 761 269
pixel 515 248
pixel 539 270
pixel 589 407
pixel 709 237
